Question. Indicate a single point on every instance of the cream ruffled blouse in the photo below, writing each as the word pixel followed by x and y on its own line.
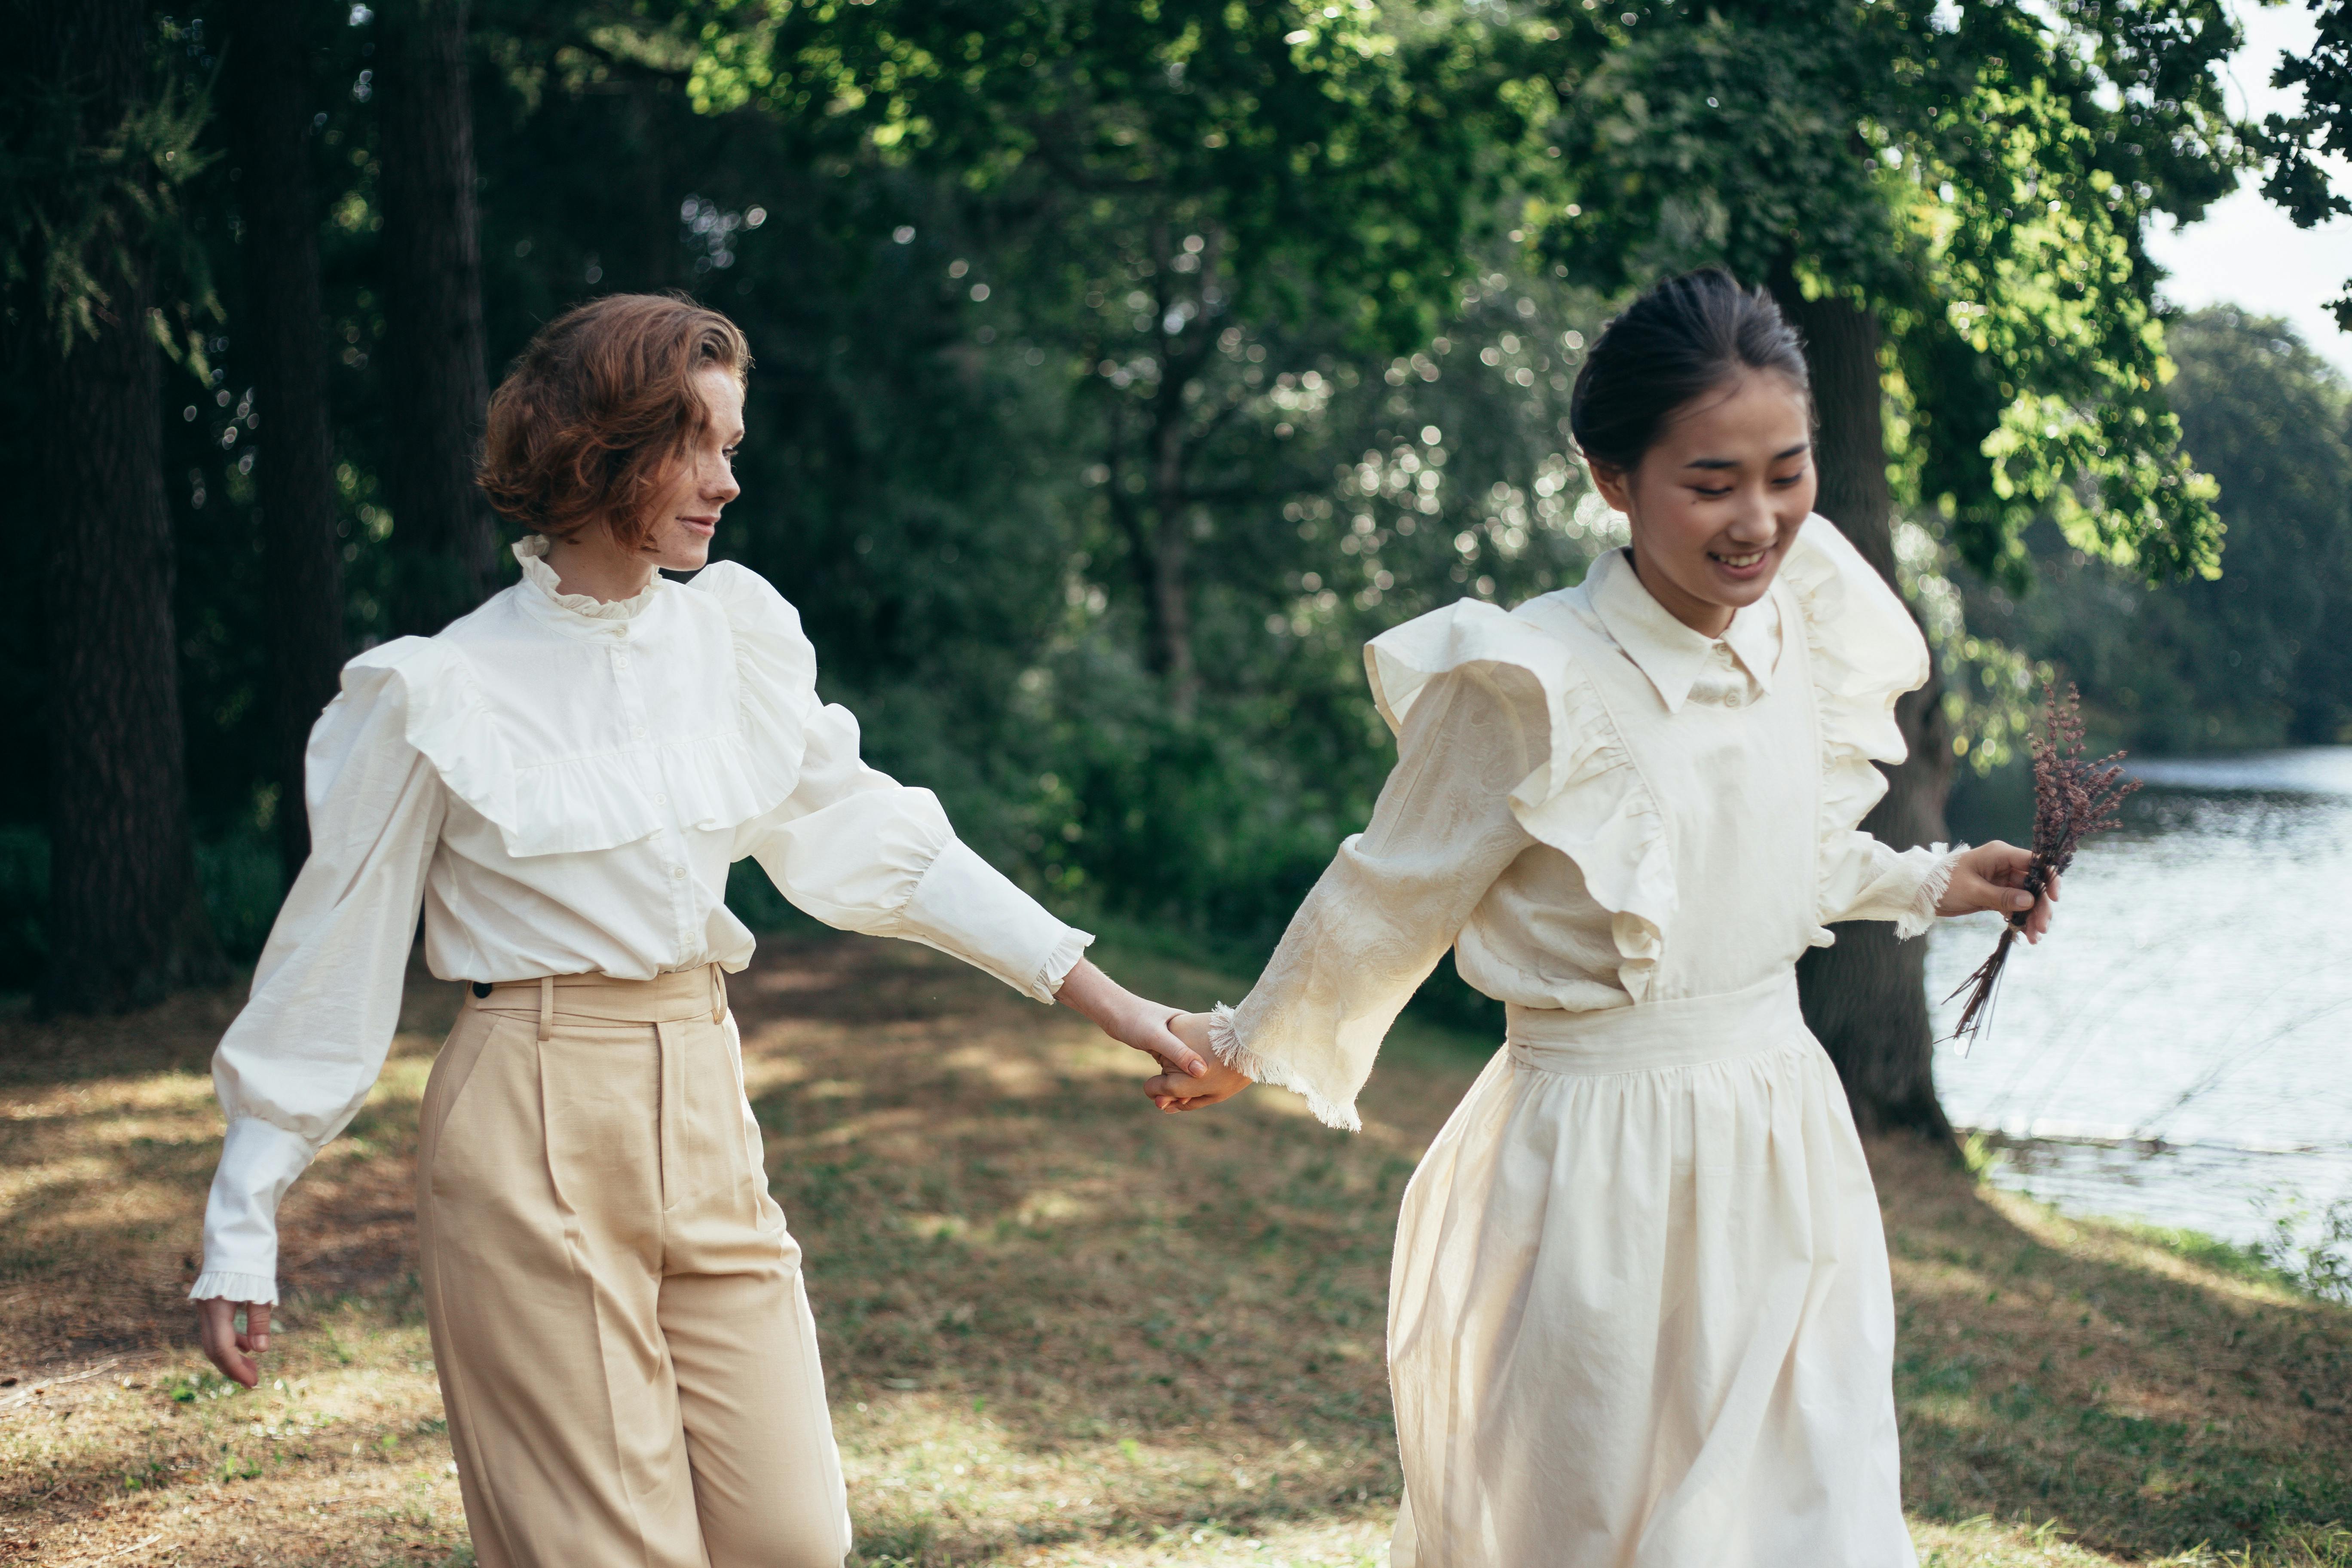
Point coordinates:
pixel 1590 806
pixel 560 783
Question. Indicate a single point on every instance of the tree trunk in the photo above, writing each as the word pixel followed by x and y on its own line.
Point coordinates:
pixel 126 919
pixel 1157 550
pixel 443 537
pixel 1170 561
pixel 1866 998
pixel 267 112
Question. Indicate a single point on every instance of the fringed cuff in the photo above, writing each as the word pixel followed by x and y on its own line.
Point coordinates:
pixel 1922 912
pixel 1225 1042
pixel 219 1285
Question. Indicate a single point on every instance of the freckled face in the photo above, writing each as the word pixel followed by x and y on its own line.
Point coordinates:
pixel 703 481
pixel 1716 502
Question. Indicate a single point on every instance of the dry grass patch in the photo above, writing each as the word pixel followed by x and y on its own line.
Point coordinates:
pixel 1059 1329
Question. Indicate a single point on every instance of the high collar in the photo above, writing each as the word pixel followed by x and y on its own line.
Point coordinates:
pixel 1671 654
pixel 545 589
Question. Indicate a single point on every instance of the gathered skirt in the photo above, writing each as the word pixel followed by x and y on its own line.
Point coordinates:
pixel 1640 1314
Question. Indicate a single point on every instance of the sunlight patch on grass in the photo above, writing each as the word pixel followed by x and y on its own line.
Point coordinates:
pixel 340 1456
pixel 1060 1329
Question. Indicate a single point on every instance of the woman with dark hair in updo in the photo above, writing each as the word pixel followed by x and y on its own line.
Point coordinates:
pixel 1640 1314
pixel 561 781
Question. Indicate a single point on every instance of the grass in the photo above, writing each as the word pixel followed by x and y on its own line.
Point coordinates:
pixel 1059 1329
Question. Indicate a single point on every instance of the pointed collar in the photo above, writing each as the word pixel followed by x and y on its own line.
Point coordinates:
pixel 1670 653
pixel 530 551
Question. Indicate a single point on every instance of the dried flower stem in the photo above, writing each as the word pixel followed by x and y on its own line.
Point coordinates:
pixel 2073 798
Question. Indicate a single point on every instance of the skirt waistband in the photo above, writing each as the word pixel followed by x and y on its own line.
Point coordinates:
pixel 679 997
pixel 1683 1032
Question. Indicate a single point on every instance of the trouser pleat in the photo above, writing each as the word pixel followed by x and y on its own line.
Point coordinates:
pixel 624 1343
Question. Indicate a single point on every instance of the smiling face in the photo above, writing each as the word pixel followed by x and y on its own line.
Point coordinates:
pixel 702 480
pixel 1717 500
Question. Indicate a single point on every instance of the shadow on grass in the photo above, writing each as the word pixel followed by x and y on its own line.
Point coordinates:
pixel 108 1133
pixel 1052 1316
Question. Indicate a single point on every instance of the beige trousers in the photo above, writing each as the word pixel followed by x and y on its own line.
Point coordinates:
pixel 624 1346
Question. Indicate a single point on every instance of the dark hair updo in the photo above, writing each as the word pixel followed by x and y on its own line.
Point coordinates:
pixel 1680 340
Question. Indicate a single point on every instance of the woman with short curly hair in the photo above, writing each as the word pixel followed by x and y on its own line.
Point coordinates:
pixel 560 782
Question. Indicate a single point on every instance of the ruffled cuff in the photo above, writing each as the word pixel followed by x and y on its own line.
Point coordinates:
pixel 259 1160
pixel 1061 960
pixel 217 1285
pixel 1225 1044
pixel 968 908
pixel 1921 914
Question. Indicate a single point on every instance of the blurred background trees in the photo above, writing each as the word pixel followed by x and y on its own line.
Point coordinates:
pixel 1121 368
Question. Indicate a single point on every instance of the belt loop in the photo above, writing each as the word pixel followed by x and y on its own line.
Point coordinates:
pixel 718 994
pixel 546 1006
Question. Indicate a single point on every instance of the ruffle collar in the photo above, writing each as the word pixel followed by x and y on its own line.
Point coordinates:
pixel 530 552
pixel 739 765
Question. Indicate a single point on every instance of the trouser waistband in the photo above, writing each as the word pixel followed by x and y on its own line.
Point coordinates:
pixel 675 997
pixel 1683 1032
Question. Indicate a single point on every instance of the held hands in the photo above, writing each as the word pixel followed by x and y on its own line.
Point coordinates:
pixel 1189 1074
pixel 1215 1082
pixel 1130 1019
pixel 232 1349
pixel 1993 877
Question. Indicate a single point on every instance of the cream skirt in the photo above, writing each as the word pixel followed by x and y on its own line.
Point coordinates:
pixel 1640 1314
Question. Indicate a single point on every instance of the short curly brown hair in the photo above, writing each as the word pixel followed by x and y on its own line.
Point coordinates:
pixel 586 426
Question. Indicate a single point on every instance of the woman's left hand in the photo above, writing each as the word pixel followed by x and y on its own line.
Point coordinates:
pixel 1993 877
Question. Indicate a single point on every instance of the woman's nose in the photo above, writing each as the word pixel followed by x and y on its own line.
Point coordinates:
pixel 1752 522
pixel 720 485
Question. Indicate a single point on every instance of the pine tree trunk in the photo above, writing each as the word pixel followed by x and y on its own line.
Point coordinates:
pixel 443 537
pixel 1171 604
pixel 126 920
pixel 268 109
pixel 1866 998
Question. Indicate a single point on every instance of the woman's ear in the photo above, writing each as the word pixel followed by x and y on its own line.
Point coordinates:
pixel 1615 485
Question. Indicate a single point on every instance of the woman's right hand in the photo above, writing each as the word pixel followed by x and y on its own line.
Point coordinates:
pixel 232 1349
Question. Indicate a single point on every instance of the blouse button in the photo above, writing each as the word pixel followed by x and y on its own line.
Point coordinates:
pixel 621 661
pixel 639 732
pixel 1731 699
pixel 661 800
pixel 677 871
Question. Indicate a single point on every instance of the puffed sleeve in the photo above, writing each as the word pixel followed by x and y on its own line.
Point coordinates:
pixel 1863 880
pixel 299 1059
pixel 1395 898
pixel 857 848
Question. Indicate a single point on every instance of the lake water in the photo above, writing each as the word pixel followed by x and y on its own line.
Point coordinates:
pixel 2180 1049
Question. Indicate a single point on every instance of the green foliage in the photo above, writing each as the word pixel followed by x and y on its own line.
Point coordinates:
pixel 2251 659
pixel 1347 150
pixel 2297 145
pixel 82 200
pixel 2310 1245
pixel 1978 177
pixel 1122 368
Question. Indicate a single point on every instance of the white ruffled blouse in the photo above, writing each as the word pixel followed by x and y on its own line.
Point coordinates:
pixel 560 783
pixel 1573 811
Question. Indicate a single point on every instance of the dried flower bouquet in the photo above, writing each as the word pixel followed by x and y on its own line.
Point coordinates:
pixel 2073 798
